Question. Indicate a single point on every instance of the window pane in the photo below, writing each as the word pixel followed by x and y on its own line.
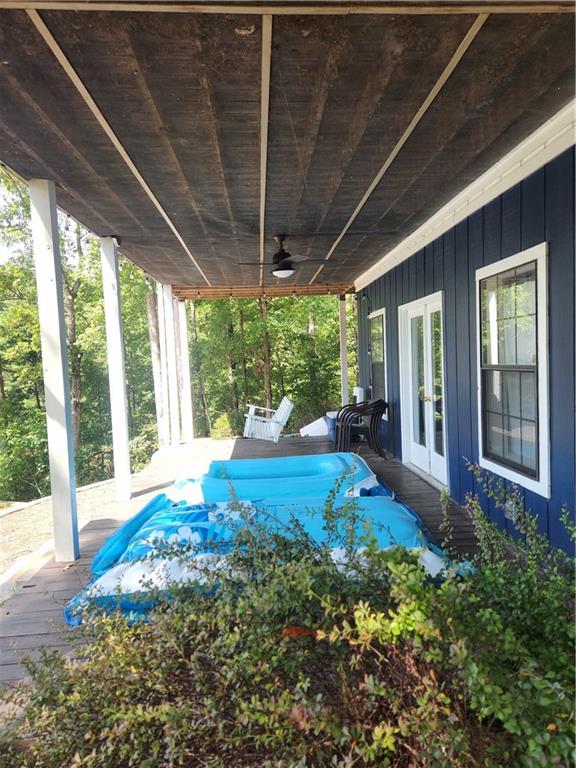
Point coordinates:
pixel 494 441
pixel 378 387
pixel 511 393
pixel 493 392
pixel 377 339
pixel 529 445
pixel 512 440
pixel 528 398
pixel 507 294
pixel 526 340
pixel 526 289
pixel 506 342
pixel 489 295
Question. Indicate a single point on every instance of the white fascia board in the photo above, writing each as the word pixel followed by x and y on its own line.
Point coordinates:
pixel 546 143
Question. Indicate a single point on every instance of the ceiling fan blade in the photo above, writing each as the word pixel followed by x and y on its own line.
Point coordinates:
pixel 250 263
pixel 299 258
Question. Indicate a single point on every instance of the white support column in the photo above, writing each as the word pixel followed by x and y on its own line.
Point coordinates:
pixel 165 436
pixel 344 386
pixel 186 408
pixel 172 369
pixel 55 366
pixel 116 368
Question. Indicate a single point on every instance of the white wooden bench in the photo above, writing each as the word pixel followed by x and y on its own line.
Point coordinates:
pixel 270 426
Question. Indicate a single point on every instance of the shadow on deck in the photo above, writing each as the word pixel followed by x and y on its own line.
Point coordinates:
pixel 33 619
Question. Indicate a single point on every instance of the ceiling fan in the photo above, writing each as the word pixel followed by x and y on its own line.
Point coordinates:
pixel 283 262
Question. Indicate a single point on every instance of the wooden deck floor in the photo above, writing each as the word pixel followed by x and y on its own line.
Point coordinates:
pixel 33 619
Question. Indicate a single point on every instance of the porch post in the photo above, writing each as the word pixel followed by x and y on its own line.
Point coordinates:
pixel 116 368
pixel 172 366
pixel 165 436
pixel 44 219
pixel 186 391
pixel 154 338
pixel 344 388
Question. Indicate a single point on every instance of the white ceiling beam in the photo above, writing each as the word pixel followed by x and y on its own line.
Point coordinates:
pixel 264 117
pixel 296 9
pixel 438 85
pixel 52 43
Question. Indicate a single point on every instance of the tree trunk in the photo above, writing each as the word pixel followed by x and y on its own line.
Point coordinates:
pixel 75 354
pixel 232 371
pixel 280 374
pixel 244 367
pixel 154 336
pixel 197 369
pixel 266 353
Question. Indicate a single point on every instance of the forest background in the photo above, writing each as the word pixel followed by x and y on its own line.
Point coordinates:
pixel 241 351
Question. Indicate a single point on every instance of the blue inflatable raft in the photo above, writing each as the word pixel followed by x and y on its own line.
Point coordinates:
pixel 291 477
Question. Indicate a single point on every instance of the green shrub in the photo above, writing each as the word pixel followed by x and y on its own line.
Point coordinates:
pixel 285 659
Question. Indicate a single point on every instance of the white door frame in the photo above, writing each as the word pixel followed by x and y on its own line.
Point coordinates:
pixel 405 312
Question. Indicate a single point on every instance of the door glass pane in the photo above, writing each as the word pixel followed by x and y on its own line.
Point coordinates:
pixel 437 383
pixel 417 348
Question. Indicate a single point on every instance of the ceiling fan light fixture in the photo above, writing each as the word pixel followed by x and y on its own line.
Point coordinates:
pixel 283 270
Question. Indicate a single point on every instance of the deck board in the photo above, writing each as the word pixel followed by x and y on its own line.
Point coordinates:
pixel 33 618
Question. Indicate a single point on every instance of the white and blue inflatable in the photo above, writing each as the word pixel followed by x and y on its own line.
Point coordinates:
pixel 182 533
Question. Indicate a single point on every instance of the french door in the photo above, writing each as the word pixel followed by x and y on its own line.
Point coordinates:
pixel 422 386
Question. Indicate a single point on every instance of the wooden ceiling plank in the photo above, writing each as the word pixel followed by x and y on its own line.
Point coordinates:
pixel 442 80
pixel 52 43
pixel 471 8
pixel 264 121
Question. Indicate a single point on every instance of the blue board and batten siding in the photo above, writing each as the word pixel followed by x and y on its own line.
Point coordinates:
pixel 538 209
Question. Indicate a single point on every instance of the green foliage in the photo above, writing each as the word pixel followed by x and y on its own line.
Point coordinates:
pixel 283 658
pixel 227 353
pixel 24 470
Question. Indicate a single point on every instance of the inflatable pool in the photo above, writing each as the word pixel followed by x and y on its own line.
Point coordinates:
pixel 291 477
pixel 142 556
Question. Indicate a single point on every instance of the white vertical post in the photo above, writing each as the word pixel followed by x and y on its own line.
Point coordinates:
pixel 116 368
pixel 344 386
pixel 186 409
pixel 55 367
pixel 165 435
pixel 172 369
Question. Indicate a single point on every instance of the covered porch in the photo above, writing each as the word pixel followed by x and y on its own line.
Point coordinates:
pixel 188 136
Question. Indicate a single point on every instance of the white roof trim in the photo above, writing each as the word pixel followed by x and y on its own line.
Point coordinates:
pixel 546 143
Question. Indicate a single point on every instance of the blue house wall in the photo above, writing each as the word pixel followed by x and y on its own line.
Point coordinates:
pixel 540 208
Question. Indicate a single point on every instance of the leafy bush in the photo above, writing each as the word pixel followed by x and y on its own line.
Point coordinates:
pixel 286 658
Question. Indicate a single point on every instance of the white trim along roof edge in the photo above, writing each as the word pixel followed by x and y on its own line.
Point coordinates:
pixel 546 143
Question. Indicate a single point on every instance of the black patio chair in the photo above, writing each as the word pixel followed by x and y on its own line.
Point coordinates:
pixel 360 419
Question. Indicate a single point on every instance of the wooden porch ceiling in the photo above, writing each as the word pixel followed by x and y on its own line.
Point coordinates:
pixel 156 127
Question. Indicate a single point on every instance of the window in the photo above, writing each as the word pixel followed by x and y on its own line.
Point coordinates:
pixel 512 354
pixel 378 383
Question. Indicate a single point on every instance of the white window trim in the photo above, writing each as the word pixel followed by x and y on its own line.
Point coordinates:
pixel 539 254
pixel 377 313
